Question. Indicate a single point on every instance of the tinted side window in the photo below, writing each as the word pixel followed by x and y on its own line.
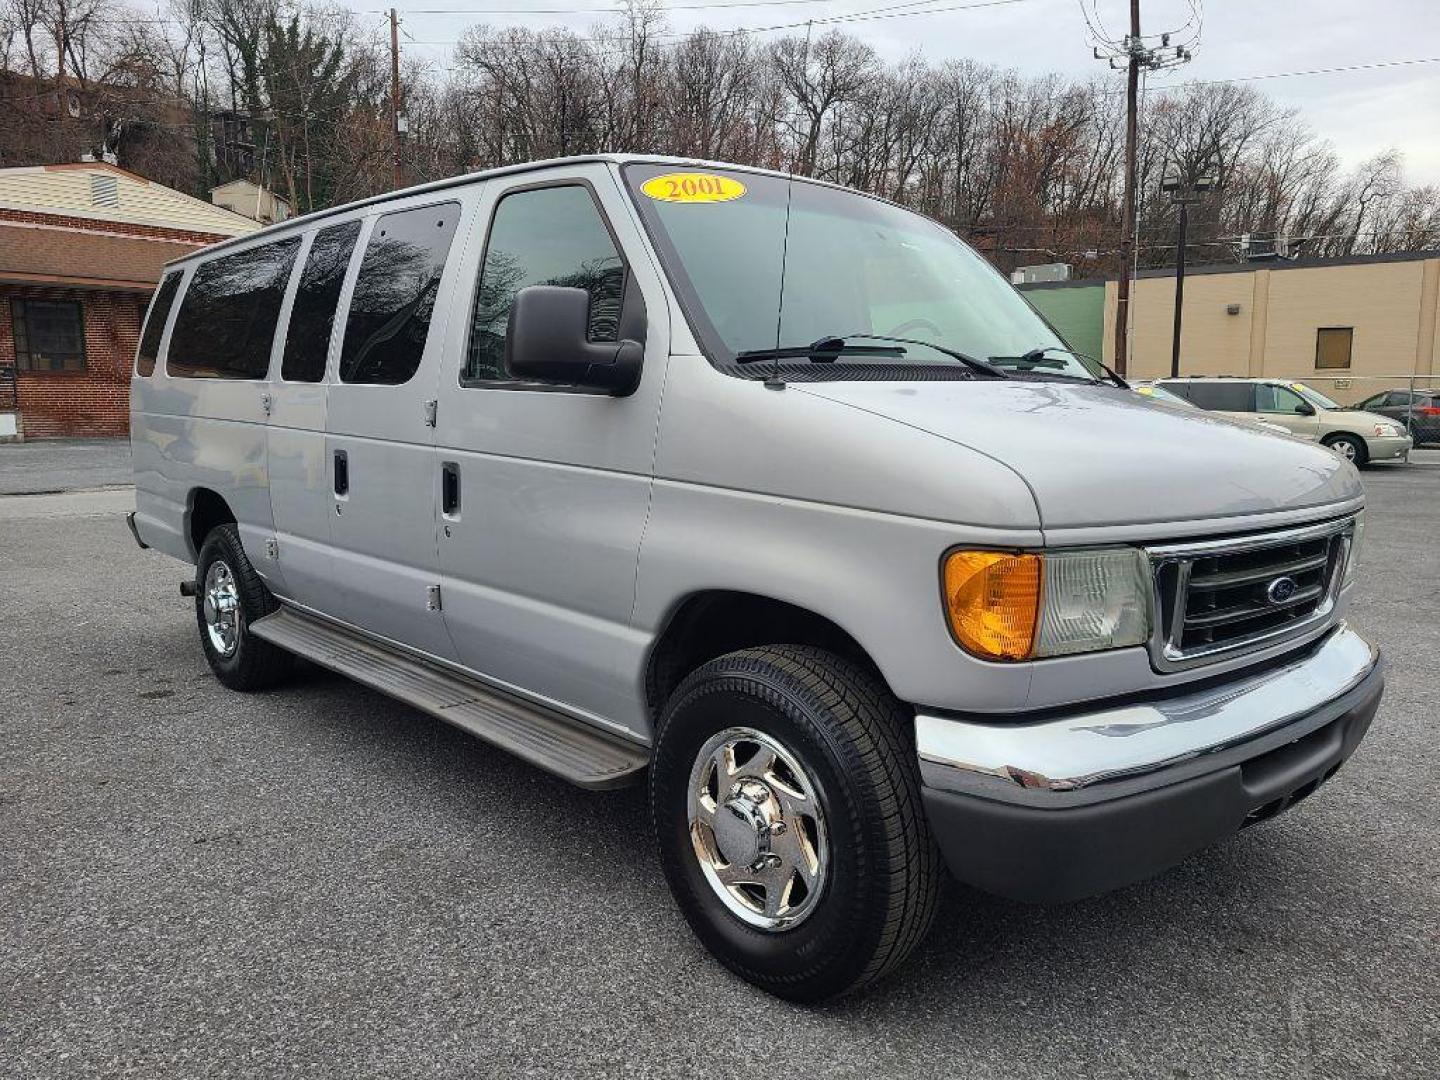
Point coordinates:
pixel 1231 397
pixel 394 294
pixel 307 340
pixel 226 324
pixel 155 323
pixel 546 236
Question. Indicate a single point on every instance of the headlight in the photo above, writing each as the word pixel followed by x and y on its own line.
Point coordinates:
pixel 1020 606
pixel 1352 554
pixel 1386 429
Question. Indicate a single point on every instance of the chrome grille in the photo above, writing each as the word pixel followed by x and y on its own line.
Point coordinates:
pixel 1219 598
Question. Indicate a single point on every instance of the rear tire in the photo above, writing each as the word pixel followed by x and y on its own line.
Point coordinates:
pixel 842 777
pixel 1350 448
pixel 229 596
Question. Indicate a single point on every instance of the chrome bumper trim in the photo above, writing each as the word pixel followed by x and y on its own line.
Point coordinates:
pixel 1083 749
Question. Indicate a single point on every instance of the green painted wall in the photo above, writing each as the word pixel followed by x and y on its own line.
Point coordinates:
pixel 1078 312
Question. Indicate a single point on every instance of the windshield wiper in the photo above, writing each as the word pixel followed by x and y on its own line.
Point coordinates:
pixel 824 351
pixel 1036 357
pixel 827 348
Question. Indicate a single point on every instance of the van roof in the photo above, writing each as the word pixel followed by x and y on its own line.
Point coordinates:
pixel 304 221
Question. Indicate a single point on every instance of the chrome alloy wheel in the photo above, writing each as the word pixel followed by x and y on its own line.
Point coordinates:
pixel 221 604
pixel 758 829
pixel 1345 448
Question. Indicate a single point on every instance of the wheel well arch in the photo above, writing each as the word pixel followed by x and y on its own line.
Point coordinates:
pixel 1330 438
pixel 204 509
pixel 714 622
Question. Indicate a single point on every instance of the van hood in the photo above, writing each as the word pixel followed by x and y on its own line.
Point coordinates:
pixel 1102 455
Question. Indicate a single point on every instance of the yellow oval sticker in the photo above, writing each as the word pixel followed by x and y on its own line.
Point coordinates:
pixel 693 187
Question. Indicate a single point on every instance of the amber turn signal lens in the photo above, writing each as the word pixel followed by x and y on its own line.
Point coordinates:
pixel 992 599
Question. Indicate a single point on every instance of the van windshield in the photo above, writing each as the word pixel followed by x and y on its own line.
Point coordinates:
pixel 763 263
pixel 1310 394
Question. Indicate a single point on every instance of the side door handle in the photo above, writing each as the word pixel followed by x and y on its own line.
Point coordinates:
pixel 342 473
pixel 450 489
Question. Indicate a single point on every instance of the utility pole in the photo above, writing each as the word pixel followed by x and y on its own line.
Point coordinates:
pixel 398 178
pixel 1179 286
pixel 1135 48
pixel 1133 54
pixel 60 28
pixel 1183 190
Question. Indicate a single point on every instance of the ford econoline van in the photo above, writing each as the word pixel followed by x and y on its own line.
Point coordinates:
pixel 775 497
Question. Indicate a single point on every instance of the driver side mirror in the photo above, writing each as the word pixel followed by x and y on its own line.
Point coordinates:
pixel 547 340
pixel 1306 409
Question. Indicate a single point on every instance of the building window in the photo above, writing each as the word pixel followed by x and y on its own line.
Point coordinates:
pixel 49 335
pixel 1332 346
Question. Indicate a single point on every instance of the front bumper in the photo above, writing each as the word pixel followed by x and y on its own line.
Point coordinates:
pixel 1388 447
pixel 1078 804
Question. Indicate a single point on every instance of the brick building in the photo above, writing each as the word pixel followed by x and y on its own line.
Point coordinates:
pixel 81 249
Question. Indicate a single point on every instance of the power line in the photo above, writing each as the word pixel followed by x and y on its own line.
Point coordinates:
pixel 612 10
pixel 1310 71
pixel 908 9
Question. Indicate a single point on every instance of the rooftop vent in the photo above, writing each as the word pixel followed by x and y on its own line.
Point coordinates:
pixel 105 191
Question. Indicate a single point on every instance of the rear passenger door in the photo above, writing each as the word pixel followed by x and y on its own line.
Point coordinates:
pixel 380 458
pixel 550 483
pixel 299 393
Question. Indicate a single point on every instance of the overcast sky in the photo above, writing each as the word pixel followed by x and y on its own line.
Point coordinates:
pixel 1361 112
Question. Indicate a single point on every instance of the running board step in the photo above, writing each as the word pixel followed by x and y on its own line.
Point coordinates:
pixel 550 741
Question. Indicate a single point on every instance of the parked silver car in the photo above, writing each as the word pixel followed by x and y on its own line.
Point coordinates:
pixel 703 475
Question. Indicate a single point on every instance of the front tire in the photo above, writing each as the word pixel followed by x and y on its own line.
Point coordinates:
pixel 1350 448
pixel 229 596
pixel 785 795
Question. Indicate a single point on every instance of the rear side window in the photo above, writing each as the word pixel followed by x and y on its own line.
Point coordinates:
pixel 312 317
pixel 394 295
pixel 544 236
pixel 1227 396
pixel 226 324
pixel 155 323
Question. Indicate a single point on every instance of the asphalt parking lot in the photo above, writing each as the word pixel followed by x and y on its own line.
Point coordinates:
pixel 319 882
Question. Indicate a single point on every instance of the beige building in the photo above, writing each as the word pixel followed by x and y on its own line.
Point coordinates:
pixel 252 201
pixel 1351 326
pixel 82 246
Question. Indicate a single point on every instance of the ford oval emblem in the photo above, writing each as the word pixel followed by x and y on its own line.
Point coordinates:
pixel 1281 590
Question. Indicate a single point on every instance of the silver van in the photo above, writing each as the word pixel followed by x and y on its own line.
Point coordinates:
pixel 752 488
